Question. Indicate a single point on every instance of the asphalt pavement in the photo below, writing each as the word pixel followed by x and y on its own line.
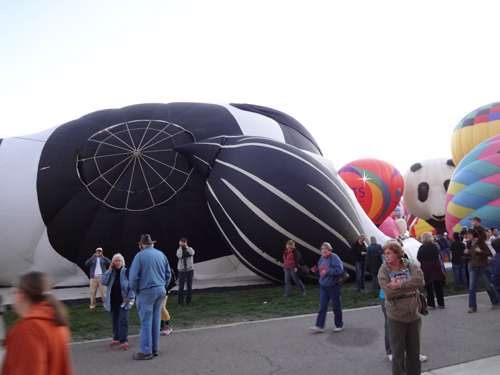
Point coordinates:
pixel 454 341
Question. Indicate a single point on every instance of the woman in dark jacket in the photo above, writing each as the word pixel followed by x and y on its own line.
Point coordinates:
pixel 291 259
pixel 430 262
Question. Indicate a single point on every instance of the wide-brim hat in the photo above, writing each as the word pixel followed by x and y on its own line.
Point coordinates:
pixel 146 238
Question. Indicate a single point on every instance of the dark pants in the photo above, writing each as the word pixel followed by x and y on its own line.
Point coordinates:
pixel 360 275
pixel 405 338
pixel 119 322
pixel 438 287
pixel 183 278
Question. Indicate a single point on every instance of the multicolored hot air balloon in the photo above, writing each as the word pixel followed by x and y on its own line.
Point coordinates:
pixel 476 127
pixel 419 226
pixel 377 185
pixel 475 188
pixel 400 212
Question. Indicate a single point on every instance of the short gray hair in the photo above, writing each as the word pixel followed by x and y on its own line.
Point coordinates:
pixel 426 237
pixel 327 244
pixel 118 255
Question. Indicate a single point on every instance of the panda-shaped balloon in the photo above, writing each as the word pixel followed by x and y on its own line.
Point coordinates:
pixel 426 184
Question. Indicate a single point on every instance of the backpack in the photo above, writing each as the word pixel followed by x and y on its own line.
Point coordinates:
pixel 173 281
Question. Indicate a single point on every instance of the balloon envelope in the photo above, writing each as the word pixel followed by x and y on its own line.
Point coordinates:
pixel 478 126
pixel 377 185
pixel 419 226
pixel 475 188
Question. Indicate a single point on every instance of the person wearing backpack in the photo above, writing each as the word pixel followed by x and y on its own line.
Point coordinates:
pixel 119 299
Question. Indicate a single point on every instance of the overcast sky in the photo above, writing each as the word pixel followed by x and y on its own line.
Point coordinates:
pixel 381 79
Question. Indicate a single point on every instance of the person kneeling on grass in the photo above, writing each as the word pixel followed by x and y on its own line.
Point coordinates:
pixel 329 268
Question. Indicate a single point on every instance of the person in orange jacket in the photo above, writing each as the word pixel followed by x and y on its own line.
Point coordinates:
pixel 38 343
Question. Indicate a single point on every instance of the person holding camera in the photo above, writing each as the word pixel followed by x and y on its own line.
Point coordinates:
pixel 186 272
pixel 119 300
pixel 98 264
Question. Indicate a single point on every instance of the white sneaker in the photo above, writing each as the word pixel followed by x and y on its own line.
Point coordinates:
pixel 338 329
pixel 390 357
pixel 168 330
pixel 423 358
pixel 317 329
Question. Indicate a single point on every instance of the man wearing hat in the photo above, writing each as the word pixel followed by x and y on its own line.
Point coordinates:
pixel 98 265
pixel 149 275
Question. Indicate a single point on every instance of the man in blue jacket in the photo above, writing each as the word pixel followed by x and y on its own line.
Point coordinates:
pixel 98 265
pixel 149 274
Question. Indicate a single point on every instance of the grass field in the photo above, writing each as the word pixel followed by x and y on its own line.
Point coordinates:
pixel 224 307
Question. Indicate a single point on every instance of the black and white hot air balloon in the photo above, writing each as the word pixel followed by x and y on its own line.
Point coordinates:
pixel 235 179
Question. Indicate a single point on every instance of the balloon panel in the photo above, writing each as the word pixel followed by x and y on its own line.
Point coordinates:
pixel 478 126
pixel 475 188
pixel 378 186
pixel 257 209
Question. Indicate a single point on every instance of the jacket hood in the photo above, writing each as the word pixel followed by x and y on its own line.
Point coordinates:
pixel 41 311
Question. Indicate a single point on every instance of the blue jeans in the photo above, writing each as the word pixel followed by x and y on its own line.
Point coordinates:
pixel 485 273
pixel 289 275
pixel 360 275
pixel 119 322
pixel 334 293
pixel 149 304
pixel 183 277
pixel 459 275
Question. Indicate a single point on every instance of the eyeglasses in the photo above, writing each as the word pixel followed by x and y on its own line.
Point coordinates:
pixel 387 253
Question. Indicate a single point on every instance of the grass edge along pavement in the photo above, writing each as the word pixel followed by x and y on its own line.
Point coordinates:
pixel 225 307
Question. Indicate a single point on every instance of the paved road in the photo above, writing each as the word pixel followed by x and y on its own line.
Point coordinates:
pixel 286 346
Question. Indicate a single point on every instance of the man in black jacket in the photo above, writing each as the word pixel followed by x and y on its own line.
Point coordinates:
pixel 359 252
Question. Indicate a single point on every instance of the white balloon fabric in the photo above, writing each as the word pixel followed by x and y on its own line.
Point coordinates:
pixel 426 184
pixel 401 223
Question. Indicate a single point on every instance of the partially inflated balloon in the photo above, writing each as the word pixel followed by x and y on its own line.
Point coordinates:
pixel 378 186
pixel 106 178
pixel 425 190
pixel 475 188
pixel 419 226
pixel 400 212
pixel 478 126
pixel 257 207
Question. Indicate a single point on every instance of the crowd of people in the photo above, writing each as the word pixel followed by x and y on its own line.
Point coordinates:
pixel 474 253
pixel 38 343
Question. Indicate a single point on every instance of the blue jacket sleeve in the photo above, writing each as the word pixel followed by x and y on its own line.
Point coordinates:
pixel 105 278
pixel 88 262
pixel 135 272
pixel 168 274
pixel 107 262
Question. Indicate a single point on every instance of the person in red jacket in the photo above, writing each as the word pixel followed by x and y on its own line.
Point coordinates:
pixel 38 343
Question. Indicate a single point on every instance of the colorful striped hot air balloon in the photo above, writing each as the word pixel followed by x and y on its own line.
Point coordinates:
pixel 377 185
pixel 476 127
pixel 475 188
